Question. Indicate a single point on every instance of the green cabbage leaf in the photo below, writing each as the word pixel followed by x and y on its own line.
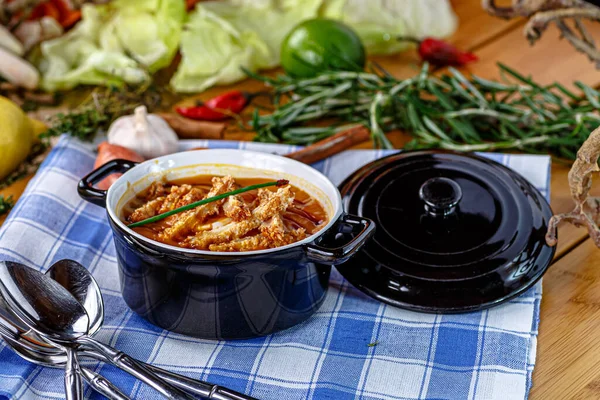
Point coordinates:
pixel 380 22
pixel 221 37
pixel 122 42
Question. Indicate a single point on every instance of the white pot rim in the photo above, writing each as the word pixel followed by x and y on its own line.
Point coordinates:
pixel 235 158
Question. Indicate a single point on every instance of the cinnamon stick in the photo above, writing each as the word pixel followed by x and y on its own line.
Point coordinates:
pixel 190 129
pixel 332 145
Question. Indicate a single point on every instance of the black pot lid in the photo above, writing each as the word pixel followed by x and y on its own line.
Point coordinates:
pixel 455 232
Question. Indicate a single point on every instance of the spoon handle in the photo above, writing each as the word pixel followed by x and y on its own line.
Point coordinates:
pixel 194 386
pixel 73 383
pixel 204 389
pixel 134 368
pixel 102 385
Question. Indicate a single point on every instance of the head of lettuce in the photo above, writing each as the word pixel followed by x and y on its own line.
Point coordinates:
pixel 121 42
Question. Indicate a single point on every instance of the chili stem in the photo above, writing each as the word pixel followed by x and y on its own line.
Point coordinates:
pixel 281 182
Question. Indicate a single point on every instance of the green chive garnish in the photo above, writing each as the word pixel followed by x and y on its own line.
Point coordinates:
pixel 281 182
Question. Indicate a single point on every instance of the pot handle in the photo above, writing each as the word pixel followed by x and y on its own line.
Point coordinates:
pixel 360 229
pixel 96 196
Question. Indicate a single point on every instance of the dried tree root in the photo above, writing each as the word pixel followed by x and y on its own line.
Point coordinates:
pixel 585 46
pixel 587 209
pixel 543 12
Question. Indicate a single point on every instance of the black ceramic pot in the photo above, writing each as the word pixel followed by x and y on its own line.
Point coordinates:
pixel 225 295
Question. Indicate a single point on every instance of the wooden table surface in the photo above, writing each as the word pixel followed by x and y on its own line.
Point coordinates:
pixel 568 351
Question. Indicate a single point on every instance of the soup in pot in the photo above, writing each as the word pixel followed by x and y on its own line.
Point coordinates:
pixel 255 220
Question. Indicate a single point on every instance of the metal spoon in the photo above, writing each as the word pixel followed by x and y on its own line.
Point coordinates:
pixel 79 281
pixel 12 333
pixel 37 355
pixel 72 269
pixel 70 275
pixel 63 273
pixel 53 357
pixel 50 310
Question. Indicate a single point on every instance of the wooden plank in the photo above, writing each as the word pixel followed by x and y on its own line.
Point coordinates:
pixel 548 60
pixel 477 27
pixel 568 362
pixel 15 190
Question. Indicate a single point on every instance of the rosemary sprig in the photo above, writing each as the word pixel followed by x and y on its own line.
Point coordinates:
pixel 450 111
pixel 281 182
pixel 6 204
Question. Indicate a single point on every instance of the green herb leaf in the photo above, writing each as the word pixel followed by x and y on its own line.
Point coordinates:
pixel 100 109
pixel 6 204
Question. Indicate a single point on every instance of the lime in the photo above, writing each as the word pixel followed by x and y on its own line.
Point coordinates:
pixel 319 45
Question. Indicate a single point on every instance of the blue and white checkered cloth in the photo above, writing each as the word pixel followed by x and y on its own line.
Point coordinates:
pixel 481 355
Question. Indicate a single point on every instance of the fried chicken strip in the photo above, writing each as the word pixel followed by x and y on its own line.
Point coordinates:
pixel 192 196
pixel 273 234
pixel 177 193
pixel 148 210
pixel 188 220
pixel 158 193
pixel 161 204
pixel 156 189
pixel 276 233
pixel 256 242
pixel 272 203
pixel 236 209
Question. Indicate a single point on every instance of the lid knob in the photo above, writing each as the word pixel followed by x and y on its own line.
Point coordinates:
pixel 441 196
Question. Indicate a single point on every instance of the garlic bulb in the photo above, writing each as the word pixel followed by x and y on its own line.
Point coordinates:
pixel 146 134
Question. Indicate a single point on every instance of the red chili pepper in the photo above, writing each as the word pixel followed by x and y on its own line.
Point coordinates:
pixel 62 6
pixel 190 4
pixel 44 10
pixel 441 54
pixel 68 16
pixel 71 19
pixel 233 102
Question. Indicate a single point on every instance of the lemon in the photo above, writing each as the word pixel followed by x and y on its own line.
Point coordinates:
pixel 16 136
pixel 38 127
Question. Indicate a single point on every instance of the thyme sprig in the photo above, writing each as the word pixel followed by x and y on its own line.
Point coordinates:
pixel 29 166
pixel 449 111
pixel 6 204
pixel 101 108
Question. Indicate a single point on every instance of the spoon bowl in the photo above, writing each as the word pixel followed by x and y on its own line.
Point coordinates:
pixel 81 284
pixel 42 303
